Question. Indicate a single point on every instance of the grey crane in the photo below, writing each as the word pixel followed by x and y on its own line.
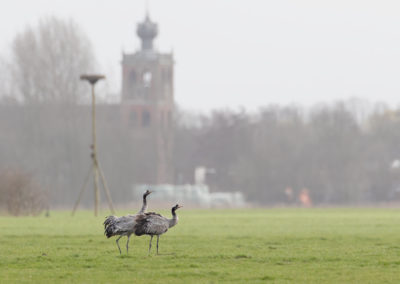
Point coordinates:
pixel 144 206
pixel 154 224
pixel 124 226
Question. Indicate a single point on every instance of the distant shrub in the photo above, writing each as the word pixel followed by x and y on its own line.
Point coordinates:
pixel 20 194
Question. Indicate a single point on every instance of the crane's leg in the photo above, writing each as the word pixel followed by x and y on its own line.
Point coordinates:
pixel 158 237
pixel 127 244
pixel 150 243
pixel 118 244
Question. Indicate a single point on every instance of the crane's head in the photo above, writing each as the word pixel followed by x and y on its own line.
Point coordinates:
pixel 147 193
pixel 177 206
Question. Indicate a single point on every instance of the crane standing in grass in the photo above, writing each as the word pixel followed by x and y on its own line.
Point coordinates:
pixel 124 226
pixel 154 224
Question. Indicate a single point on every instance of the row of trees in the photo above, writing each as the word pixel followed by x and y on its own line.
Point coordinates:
pixel 341 152
pixel 327 149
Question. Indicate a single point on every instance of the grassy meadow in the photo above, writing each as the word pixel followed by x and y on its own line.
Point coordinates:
pixel 208 246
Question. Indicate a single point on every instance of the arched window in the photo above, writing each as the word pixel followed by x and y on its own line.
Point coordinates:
pixel 132 77
pixel 166 76
pixel 146 118
pixel 147 76
pixel 131 83
pixel 133 118
pixel 169 119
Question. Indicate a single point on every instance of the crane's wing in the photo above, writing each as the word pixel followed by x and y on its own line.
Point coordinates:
pixel 118 225
pixel 125 222
pixel 151 224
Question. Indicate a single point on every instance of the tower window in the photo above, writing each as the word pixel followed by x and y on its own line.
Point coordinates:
pixel 147 79
pixel 166 75
pixel 132 77
pixel 133 118
pixel 146 118
pixel 131 83
pixel 169 119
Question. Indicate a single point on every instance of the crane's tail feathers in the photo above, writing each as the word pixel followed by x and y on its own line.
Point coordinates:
pixel 109 226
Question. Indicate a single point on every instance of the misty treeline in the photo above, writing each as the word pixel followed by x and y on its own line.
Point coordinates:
pixel 341 152
pixel 336 151
pixel 327 149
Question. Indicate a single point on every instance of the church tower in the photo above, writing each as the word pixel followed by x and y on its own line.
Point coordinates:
pixel 147 99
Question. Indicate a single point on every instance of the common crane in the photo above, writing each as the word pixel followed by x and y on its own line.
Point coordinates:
pixel 144 206
pixel 154 224
pixel 123 226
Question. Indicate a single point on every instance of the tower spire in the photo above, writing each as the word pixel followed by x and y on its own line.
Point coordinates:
pixel 147 9
pixel 147 31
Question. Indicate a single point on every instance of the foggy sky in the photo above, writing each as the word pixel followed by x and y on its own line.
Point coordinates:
pixel 251 53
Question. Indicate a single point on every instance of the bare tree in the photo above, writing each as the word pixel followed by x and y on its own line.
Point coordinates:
pixel 5 83
pixel 48 59
pixel 48 137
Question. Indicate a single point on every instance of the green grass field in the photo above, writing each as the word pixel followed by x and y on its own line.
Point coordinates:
pixel 209 246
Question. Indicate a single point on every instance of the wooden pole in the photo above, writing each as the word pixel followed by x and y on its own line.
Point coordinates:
pixel 81 192
pixel 94 156
pixel 92 79
pixel 108 195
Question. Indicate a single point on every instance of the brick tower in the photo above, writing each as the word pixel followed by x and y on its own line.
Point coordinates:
pixel 147 100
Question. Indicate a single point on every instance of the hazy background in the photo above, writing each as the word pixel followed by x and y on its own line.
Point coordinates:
pixel 274 96
pixel 233 53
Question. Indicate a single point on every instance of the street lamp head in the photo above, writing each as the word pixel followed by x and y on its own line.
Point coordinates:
pixel 93 78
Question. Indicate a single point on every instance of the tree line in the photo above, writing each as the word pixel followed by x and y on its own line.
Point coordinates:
pixel 328 150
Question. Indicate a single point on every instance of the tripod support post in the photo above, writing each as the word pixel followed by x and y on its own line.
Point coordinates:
pixel 92 79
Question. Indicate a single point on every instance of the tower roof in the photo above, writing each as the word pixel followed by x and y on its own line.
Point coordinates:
pixel 147 31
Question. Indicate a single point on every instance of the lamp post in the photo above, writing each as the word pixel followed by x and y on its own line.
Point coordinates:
pixel 95 168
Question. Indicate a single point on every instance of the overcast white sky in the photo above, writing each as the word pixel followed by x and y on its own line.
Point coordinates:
pixel 249 53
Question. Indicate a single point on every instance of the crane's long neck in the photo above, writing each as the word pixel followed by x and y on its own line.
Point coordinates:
pixel 144 206
pixel 174 220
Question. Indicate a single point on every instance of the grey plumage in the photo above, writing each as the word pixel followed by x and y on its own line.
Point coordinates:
pixel 154 224
pixel 123 226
